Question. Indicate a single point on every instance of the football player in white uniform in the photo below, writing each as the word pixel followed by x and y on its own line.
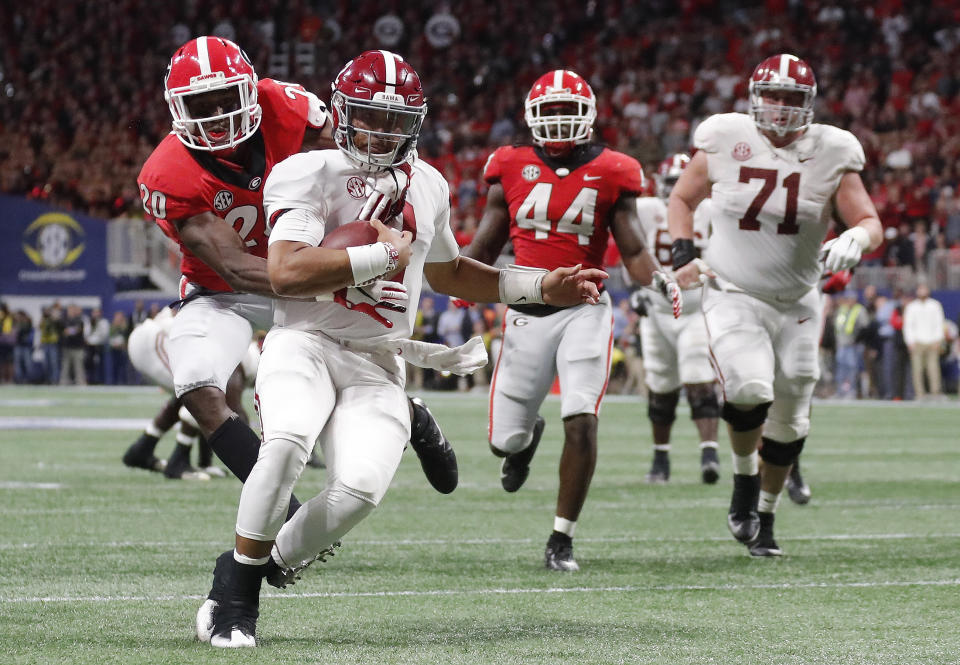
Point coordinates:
pixel 776 182
pixel 332 367
pixel 675 350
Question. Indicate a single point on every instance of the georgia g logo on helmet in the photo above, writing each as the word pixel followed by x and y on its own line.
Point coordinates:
pixel 378 109
pixel 782 91
pixel 211 89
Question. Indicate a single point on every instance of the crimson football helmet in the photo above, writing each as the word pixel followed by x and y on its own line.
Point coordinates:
pixel 779 74
pixel 560 110
pixel 668 172
pixel 211 89
pixel 378 109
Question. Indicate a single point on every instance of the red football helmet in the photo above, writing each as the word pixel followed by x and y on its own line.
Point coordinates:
pixel 377 98
pixel 668 172
pixel 560 110
pixel 211 89
pixel 788 80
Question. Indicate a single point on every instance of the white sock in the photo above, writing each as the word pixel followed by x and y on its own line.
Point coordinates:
pixel 708 444
pixel 746 465
pixel 664 447
pixel 250 561
pixel 185 440
pixel 768 502
pixel 564 526
pixel 152 430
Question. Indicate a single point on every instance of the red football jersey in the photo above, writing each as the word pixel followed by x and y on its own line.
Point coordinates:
pixel 560 214
pixel 177 183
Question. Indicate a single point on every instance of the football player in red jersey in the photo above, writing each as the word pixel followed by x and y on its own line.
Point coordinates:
pixel 203 185
pixel 557 201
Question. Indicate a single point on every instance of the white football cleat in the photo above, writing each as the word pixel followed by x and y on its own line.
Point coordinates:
pixel 238 638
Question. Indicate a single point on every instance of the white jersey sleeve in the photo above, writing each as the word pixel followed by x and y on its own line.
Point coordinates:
pixel 293 184
pixel 444 247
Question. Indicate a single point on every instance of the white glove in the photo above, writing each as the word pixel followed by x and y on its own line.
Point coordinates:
pixel 389 295
pixel 670 290
pixel 384 190
pixel 844 252
pixel 462 360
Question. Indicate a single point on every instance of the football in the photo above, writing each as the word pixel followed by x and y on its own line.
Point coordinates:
pixel 350 234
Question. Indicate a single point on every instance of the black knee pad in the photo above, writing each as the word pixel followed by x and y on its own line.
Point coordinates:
pixel 703 403
pixel 781 454
pixel 744 421
pixel 662 407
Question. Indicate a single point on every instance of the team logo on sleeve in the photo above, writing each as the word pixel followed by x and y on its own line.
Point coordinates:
pixel 356 187
pixel 742 152
pixel 254 183
pixel 223 200
pixel 530 172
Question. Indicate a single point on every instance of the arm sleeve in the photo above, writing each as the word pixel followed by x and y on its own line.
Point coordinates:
pixel 293 199
pixel 705 137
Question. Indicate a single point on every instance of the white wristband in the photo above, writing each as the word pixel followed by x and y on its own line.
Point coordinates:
pixel 521 285
pixel 368 262
pixel 860 235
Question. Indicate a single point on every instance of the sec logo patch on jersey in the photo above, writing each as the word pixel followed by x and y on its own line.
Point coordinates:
pixel 530 172
pixel 356 187
pixel 742 152
pixel 223 200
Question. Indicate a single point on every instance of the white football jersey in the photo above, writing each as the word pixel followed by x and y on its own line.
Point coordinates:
pixel 772 206
pixel 653 219
pixel 332 187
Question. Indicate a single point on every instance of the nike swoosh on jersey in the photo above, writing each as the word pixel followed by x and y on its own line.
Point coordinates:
pixel 804 319
pixel 592 177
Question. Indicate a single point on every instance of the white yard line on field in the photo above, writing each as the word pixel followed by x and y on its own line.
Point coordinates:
pixel 504 592
pixel 455 542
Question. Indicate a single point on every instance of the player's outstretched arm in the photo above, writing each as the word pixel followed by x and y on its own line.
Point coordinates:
pixel 221 248
pixel 627 233
pixel 466 278
pixel 692 187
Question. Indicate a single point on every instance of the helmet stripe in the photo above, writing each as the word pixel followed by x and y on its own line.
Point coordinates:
pixel 785 60
pixel 558 79
pixel 203 55
pixel 391 72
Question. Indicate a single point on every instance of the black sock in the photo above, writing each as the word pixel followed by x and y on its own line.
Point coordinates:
pixel 204 453
pixel 661 455
pixel 145 445
pixel 179 458
pixel 238 446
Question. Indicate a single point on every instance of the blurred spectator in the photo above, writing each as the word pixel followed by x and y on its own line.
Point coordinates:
pixel 119 331
pixel 8 338
pixel 51 327
pixel 96 334
pixel 23 348
pixel 73 348
pixel 923 333
pixel 139 314
pixel 826 385
pixel 850 320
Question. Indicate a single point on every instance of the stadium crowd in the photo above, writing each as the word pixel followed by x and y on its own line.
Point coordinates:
pixel 82 111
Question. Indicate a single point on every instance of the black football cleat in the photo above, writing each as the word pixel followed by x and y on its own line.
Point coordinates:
pixel 235 620
pixel 280 577
pixel 516 467
pixel 559 553
pixel 215 597
pixel 742 519
pixel 659 473
pixel 709 465
pixel 765 545
pixel 140 455
pixel 797 488
pixel 436 455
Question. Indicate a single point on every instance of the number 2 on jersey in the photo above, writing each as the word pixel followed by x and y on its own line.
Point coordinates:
pixel 532 213
pixel 791 183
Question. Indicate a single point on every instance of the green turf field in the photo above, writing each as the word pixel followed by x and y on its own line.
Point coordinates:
pixel 102 564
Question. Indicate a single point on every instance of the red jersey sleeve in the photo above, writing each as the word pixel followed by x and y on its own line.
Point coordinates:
pixel 493 170
pixel 169 184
